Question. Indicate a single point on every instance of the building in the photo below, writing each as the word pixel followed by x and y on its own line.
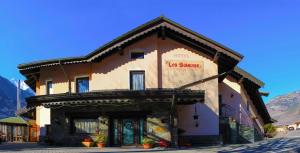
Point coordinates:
pixel 159 80
pixel 17 129
pixel 14 129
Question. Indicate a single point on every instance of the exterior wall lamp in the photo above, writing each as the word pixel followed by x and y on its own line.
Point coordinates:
pixel 231 95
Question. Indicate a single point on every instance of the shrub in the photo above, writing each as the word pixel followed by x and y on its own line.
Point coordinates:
pixel 270 130
pixel 147 140
pixel 101 138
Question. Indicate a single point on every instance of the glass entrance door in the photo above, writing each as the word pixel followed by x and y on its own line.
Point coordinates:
pixel 128 132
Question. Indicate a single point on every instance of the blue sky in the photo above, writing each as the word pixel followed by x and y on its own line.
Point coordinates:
pixel 267 33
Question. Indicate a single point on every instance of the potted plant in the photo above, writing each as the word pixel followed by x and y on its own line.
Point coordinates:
pixel 163 143
pixel 147 143
pixel 101 140
pixel 87 142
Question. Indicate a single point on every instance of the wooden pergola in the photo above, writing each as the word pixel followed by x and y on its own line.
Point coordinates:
pixel 117 97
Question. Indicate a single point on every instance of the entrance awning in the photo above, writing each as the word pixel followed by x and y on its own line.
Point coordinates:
pixel 117 97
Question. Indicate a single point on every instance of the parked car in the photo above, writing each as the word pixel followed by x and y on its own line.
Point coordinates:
pixel 291 128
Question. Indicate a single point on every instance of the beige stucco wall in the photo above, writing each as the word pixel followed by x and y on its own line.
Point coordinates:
pixel 113 73
pixel 42 119
pixel 56 75
pixel 208 112
pixel 235 95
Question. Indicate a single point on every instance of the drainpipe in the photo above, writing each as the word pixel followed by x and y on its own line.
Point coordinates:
pixel 66 76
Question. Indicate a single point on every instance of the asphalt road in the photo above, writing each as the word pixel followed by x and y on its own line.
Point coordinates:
pixel 269 146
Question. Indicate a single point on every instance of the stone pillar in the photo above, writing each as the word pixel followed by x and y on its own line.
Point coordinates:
pixel 104 126
pixel 174 122
pixel 59 126
pixel 158 126
pixel 174 129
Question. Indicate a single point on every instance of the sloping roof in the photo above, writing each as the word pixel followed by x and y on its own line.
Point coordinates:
pixel 14 120
pixel 249 76
pixel 163 27
pixel 252 86
pixel 152 25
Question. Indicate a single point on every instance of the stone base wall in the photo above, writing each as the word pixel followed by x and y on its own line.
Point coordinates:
pixel 61 131
pixel 157 123
pixel 246 134
pixel 239 133
pixel 158 127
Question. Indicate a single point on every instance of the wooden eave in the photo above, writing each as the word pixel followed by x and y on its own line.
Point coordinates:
pixel 117 97
pixel 263 93
pixel 248 76
pixel 257 100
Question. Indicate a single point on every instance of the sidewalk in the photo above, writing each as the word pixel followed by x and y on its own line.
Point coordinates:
pixel 271 145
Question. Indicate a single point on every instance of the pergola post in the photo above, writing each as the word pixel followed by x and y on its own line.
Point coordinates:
pixel 174 122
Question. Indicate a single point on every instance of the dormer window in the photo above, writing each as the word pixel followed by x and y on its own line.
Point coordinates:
pixel 49 87
pixel 137 55
pixel 82 85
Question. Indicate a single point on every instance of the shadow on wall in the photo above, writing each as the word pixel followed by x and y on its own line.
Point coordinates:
pixel 109 64
pixel 115 61
pixel 207 131
pixel 231 100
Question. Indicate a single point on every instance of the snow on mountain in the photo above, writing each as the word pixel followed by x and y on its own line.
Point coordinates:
pixel 23 85
pixel 8 96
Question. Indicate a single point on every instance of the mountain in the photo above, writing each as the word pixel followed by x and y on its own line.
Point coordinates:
pixel 285 109
pixel 26 89
pixel 8 96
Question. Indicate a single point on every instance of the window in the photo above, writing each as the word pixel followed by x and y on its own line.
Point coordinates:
pixel 49 87
pixel 137 55
pixel 85 125
pixel 137 80
pixel 82 85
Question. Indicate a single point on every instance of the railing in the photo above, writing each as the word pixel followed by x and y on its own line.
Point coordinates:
pixel 245 117
pixel 242 115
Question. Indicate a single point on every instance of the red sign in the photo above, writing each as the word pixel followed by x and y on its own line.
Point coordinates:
pixel 177 64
